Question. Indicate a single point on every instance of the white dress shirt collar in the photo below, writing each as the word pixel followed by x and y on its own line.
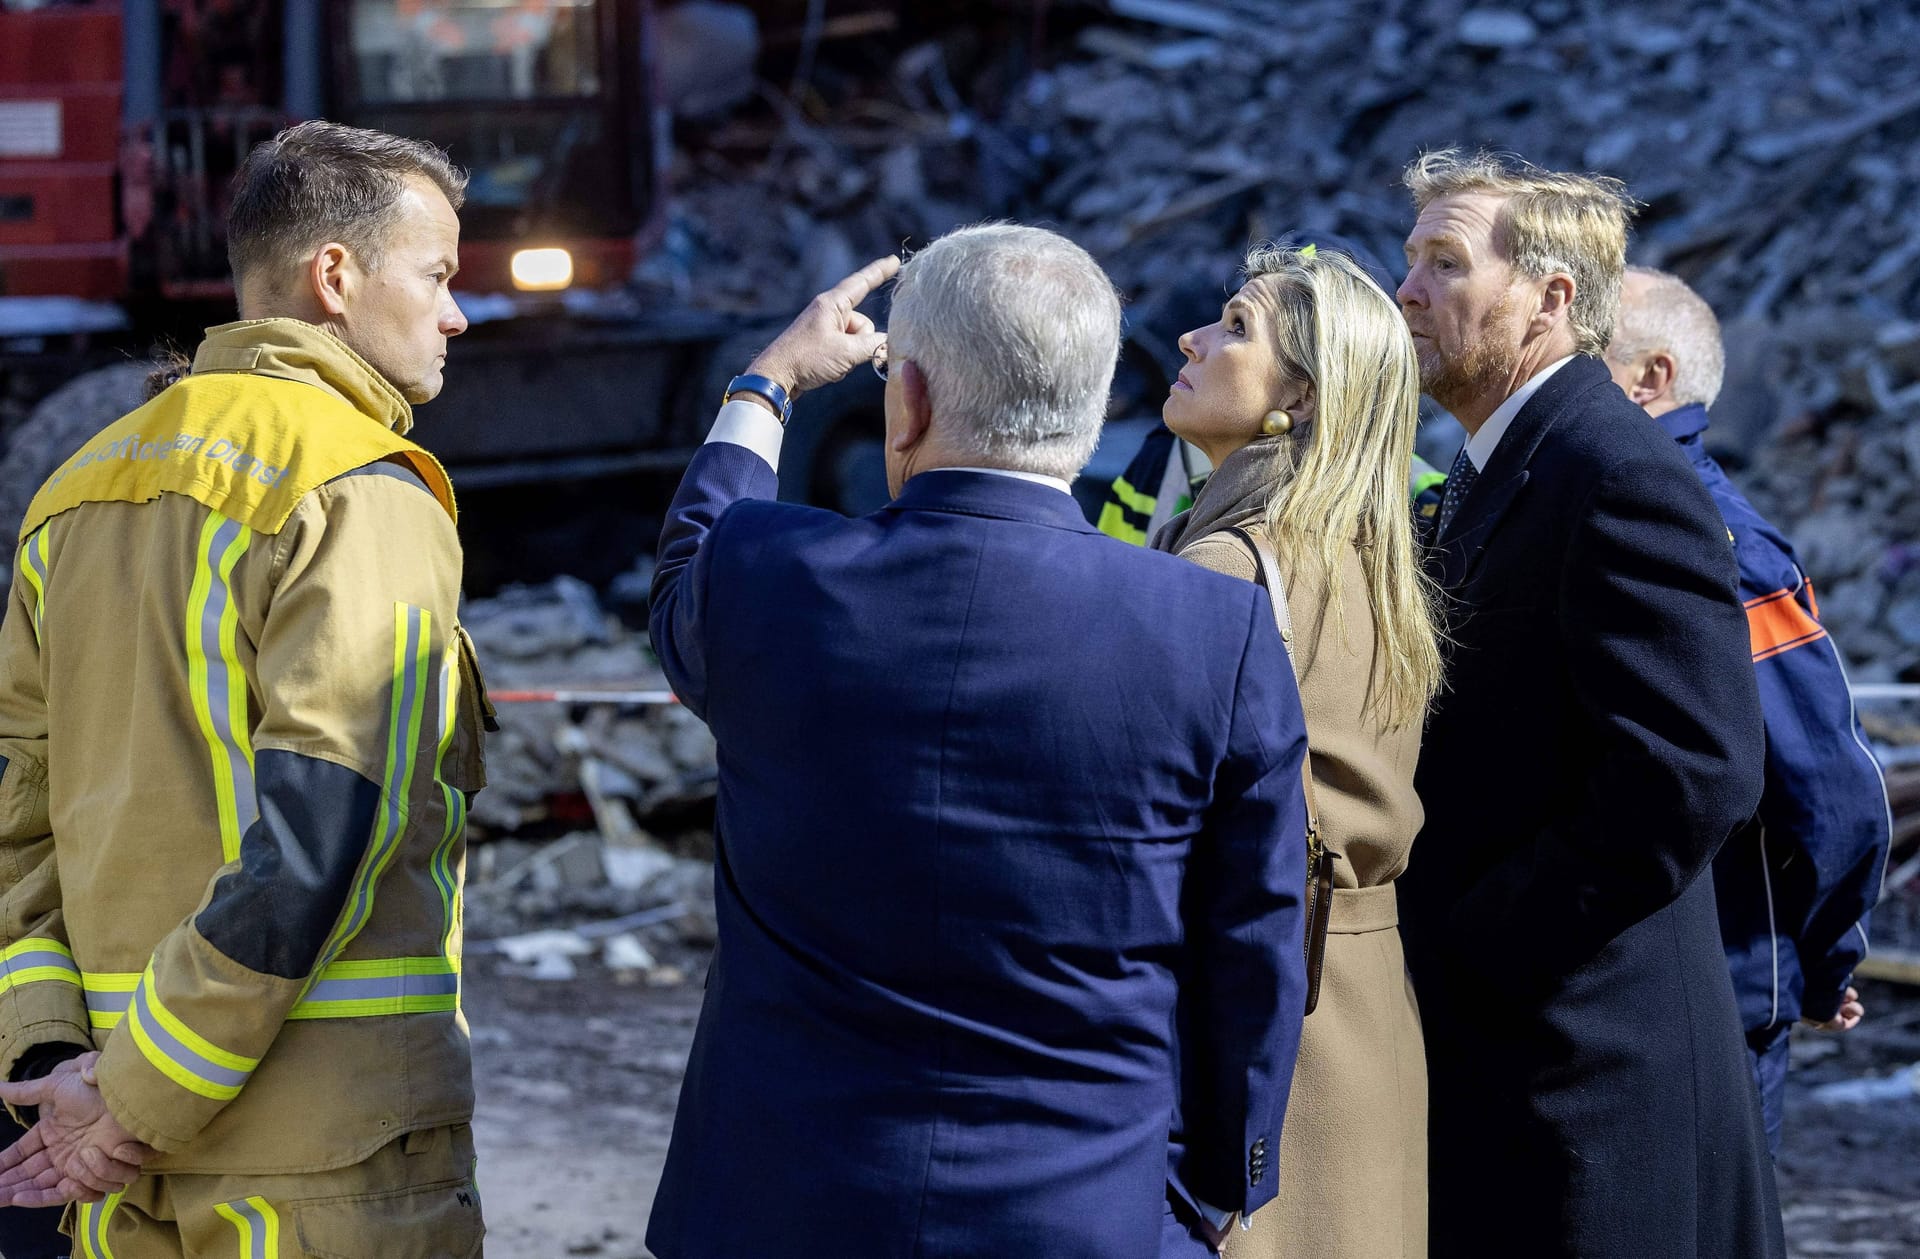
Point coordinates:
pixel 1037 478
pixel 746 423
pixel 1481 445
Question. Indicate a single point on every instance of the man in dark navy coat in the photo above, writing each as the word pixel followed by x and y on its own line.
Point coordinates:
pixel 1599 739
pixel 995 791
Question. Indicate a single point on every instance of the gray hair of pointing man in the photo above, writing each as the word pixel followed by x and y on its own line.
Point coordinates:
pixel 1017 331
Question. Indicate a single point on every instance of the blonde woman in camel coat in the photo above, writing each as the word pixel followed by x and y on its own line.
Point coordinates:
pixel 1304 395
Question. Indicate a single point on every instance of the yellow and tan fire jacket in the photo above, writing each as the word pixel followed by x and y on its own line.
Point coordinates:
pixel 239 726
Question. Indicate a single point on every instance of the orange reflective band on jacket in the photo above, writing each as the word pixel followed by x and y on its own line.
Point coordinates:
pixel 1777 623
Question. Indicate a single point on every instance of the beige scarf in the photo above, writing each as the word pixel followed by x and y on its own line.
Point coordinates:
pixel 1236 494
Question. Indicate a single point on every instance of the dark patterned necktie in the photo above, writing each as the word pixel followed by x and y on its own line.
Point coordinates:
pixel 1459 481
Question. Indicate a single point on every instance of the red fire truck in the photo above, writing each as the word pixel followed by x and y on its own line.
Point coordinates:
pixel 121 125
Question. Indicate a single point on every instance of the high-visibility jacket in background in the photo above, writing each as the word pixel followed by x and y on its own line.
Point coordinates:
pixel 1159 483
pixel 238 726
pixel 1166 474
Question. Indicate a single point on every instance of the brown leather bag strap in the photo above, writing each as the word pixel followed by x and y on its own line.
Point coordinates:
pixel 1320 858
pixel 1267 574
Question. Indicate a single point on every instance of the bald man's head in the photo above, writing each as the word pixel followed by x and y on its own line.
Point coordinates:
pixel 1666 350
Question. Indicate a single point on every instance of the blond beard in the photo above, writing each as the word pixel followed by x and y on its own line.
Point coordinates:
pixel 1488 363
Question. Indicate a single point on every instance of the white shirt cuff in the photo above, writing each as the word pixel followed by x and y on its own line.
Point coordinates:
pixel 749 424
pixel 1214 1216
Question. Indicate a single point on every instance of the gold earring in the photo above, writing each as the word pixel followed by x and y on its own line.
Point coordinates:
pixel 1276 423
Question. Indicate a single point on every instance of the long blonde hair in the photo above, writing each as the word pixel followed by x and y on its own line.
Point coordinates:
pixel 1333 326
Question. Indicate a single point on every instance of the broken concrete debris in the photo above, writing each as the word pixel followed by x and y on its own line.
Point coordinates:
pixel 1778 173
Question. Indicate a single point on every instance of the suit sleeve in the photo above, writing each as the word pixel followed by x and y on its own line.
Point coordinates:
pixel 1825 807
pixel 1655 645
pixel 1247 986
pixel 722 473
pixel 353 654
pixel 41 1002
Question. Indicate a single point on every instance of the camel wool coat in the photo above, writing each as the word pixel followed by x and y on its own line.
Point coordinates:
pixel 1353 1151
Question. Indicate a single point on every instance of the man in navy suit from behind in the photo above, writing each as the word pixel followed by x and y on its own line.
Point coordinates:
pixel 995 792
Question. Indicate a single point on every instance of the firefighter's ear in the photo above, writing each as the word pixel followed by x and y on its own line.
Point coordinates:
pixel 331 276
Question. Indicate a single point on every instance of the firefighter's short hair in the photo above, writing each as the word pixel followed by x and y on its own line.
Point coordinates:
pixel 321 181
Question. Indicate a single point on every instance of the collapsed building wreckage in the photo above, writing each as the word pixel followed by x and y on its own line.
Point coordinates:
pixel 1779 178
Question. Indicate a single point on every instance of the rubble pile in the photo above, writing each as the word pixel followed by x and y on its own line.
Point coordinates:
pixel 650 762
pixel 1779 174
pixel 1772 142
pixel 1773 145
pixel 642 910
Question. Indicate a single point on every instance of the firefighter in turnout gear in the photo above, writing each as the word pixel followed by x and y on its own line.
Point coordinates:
pixel 240 727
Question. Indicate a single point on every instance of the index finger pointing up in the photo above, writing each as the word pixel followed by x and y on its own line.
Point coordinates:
pixel 853 290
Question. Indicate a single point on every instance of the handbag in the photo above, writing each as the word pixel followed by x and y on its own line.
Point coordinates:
pixel 1320 858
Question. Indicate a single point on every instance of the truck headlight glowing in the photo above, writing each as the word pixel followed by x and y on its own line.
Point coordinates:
pixel 542 270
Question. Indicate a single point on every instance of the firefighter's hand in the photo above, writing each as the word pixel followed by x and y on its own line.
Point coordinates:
pixel 77 1151
pixel 830 338
pixel 1846 1018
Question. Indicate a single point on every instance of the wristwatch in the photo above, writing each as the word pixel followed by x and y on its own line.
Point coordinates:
pixel 760 387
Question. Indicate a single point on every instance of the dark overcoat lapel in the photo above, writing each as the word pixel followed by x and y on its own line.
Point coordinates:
pixel 1465 541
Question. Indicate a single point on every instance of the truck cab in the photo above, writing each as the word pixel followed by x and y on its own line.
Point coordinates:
pixel 121 126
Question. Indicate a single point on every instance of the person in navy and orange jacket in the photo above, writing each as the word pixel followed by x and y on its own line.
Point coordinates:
pixel 1796 885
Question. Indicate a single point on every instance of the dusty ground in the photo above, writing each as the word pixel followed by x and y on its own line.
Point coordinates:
pixel 577 1083
pixel 578 1080
pixel 1850 1174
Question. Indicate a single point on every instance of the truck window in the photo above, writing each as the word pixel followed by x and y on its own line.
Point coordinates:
pixel 475 50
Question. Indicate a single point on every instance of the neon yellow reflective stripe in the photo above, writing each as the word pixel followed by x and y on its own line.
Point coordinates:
pixel 110 981
pixel 412 631
pixel 108 995
pixel 35 944
pixel 455 802
pixel 33 563
pixel 180 1053
pixel 1134 499
pixel 369 987
pixel 386 968
pixel 1427 481
pixel 1113 523
pixel 37 959
pixel 258 1225
pixel 375 1007
pixel 361 988
pixel 37 974
pixel 92 1226
pixel 215 678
